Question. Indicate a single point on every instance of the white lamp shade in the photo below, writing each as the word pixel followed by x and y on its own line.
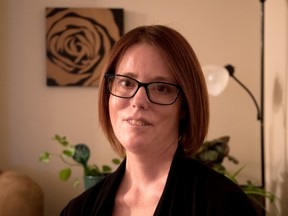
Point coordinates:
pixel 216 79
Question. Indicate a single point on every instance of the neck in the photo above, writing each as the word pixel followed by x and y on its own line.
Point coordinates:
pixel 146 169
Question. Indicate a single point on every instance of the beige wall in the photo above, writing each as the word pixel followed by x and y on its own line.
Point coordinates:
pixel 221 32
pixel 276 101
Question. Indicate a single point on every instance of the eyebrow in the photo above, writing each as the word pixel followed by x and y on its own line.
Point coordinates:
pixel 153 79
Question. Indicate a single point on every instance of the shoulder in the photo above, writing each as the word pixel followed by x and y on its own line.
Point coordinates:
pixel 190 168
pixel 208 189
pixel 199 176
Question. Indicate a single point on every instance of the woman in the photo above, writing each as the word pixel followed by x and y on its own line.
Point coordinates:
pixel 153 108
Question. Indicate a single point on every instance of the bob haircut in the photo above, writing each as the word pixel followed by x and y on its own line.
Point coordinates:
pixel 187 71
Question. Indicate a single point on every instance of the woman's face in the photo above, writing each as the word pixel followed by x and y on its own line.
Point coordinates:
pixel 140 125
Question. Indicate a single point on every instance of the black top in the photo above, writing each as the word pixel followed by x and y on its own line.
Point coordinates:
pixel 192 189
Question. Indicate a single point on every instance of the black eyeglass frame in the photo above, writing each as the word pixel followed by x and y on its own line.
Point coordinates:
pixel 145 85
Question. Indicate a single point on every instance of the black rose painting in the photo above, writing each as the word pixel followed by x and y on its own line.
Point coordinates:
pixel 78 41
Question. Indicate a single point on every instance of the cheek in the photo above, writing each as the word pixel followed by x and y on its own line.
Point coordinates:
pixel 112 110
pixel 170 117
pixel 115 106
pixel 179 113
pixel 173 121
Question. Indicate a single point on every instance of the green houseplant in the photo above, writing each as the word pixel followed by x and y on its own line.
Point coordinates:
pixel 77 155
pixel 212 153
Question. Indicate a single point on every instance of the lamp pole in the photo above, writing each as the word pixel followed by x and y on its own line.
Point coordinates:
pixel 262 75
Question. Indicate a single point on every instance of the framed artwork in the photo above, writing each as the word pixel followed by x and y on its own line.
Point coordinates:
pixel 78 41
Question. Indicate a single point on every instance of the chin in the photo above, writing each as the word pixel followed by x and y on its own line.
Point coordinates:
pixel 135 146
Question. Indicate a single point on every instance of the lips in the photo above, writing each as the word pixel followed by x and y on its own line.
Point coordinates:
pixel 137 122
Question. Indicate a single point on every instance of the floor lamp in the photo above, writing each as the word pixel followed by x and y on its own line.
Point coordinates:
pixel 217 79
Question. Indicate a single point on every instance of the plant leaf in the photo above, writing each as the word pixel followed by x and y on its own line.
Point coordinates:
pixel 238 171
pixel 106 169
pixel 69 152
pixel 76 182
pixel 116 161
pixel 81 154
pixel 65 174
pixel 61 140
pixel 45 157
pixel 92 170
pixel 232 159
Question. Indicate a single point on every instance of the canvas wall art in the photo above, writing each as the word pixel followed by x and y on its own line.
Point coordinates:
pixel 78 41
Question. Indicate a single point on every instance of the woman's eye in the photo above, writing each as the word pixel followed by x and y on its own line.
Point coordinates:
pixel 161 88
pixel 164 88
pixel 125 83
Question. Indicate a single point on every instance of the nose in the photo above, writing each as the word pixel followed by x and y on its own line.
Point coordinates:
pixel 140 99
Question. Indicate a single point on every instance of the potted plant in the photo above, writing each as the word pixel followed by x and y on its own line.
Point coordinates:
pixel 77 155
pixel 212 153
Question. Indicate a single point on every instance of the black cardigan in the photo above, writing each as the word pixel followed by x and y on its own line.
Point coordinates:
pixel 192 189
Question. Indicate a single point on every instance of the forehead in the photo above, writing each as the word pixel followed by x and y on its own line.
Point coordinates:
pixel 143 59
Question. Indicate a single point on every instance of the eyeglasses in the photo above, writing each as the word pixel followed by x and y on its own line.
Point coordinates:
pixel 161 93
